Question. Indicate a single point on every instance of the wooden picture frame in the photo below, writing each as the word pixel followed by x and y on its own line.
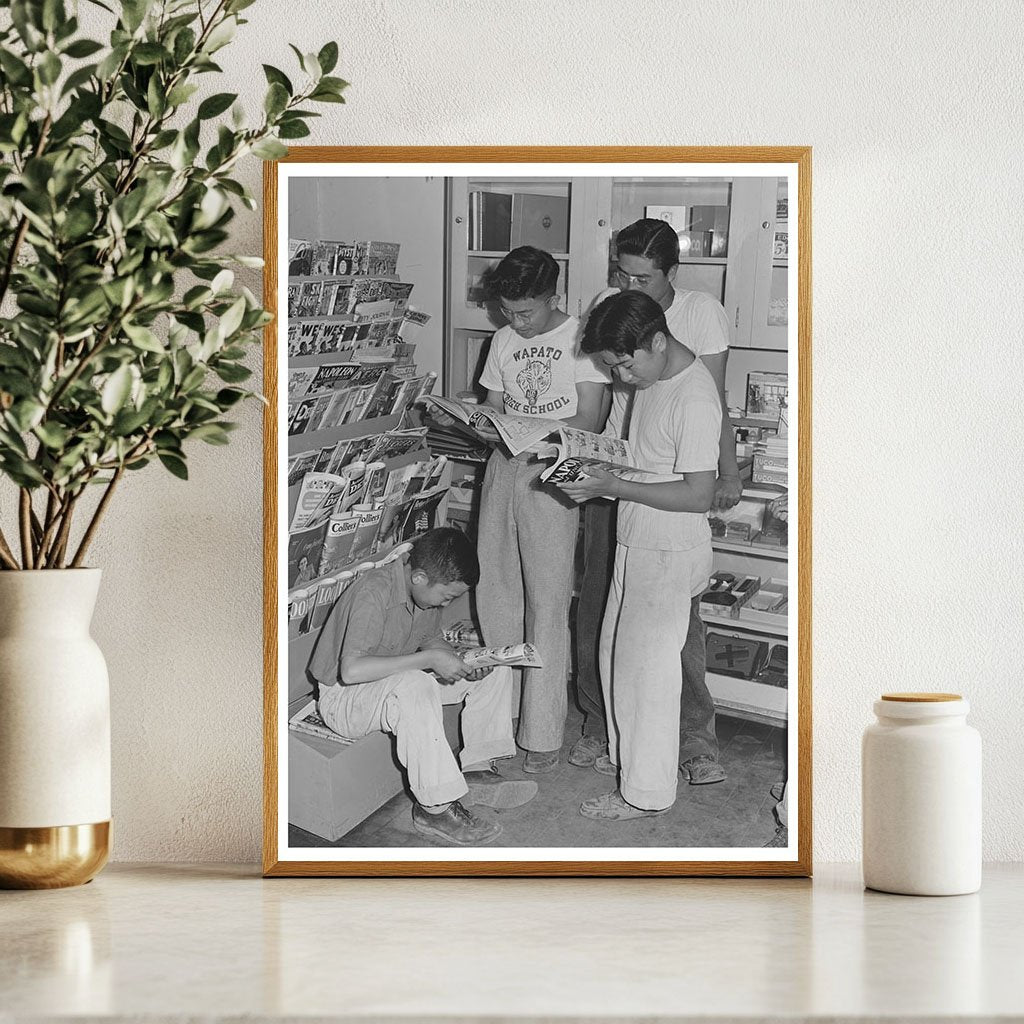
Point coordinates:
pixel 630 170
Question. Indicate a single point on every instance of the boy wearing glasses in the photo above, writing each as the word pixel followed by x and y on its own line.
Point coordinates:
pixel 527 532
pixel 663 549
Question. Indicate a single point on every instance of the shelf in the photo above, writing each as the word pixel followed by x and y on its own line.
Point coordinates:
pixel 707 261
pixel 746 699
pixel 307 278
pixel 315 439
pixel 758 550
pixel 780 629
pixel 497 254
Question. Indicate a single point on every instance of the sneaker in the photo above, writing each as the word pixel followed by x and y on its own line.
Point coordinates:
pixel 539 762
pixel 702 770
pixel 454 825
pixel 612 807
pixel 780 839
pixel 489 788
pixel 586 750
pixel 603 764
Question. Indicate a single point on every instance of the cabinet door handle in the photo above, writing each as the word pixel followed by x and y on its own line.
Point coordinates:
pixel 765 224
pixel 602 223
pixel 458 220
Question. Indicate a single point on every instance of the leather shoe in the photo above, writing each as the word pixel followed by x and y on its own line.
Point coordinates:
pixel 586 750
pixel 539 762
pixel 454 825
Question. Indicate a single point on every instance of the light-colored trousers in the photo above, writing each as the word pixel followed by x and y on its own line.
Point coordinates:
pixel 408 705
pixel 644 629
pixel 527 547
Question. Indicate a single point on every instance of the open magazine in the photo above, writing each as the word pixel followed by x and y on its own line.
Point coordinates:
pixel 519 655
pixel 519 433
pixel 577 451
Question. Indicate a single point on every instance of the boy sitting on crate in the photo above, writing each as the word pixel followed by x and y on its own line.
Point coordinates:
pixel 381 667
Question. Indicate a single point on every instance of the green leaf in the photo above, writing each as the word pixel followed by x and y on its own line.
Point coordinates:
pixel 16 70
pixel 26 413
pixel 276 100
pixel 133 13
pixel 292 130
pixel 232 319
pixel 232 373
pixel 83 48
pixel 269 149
pixel 279 77
pixel 116 390
pixel 211 433
pixel 328 57
pixel 49 68
pixel 214 105
pixel 221 35
pixel 174 465
pixel 334 84
pixel 53 435
pixel 77 79
pixel 181 94
pixel 129 421
pixel 144 338
pixel 184 44
pixel 145 54
pixel 326 96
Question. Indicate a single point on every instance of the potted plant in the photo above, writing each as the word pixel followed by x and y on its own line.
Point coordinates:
pixel 122 340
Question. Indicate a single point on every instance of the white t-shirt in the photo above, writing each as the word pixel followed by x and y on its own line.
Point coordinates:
pixel 674 428
pixel 695 319
pixel 538 376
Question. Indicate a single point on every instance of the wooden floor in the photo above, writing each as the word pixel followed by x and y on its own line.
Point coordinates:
pixel 736 813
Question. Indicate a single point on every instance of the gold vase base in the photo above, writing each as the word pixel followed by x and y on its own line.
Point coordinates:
pixel 53 857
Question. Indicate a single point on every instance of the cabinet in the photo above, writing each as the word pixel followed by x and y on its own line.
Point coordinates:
pixel 745 697
pixel 732 231
pixel 487 218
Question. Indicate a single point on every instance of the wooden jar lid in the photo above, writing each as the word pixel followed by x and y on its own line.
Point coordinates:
pixel 921 698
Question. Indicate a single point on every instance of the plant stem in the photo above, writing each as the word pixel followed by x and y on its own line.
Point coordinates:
pixel 96 517
pixel 6 554
pixel 60 544
pixel 25 522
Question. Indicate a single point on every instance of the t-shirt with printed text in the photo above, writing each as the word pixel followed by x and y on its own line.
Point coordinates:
pixel 538 376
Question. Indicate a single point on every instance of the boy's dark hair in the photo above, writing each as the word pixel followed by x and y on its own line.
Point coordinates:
pixel 652 239
pixel 446 555
pixel 622 323
pixel 525 273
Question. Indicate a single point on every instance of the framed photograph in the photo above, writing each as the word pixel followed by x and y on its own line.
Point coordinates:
pixel 537 598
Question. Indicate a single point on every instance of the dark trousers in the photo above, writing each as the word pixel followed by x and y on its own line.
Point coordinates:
pixel 697 718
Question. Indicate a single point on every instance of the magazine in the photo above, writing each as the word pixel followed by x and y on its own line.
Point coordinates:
pixel 520 655
pixel 519 433
pixel 576 451
pixel 308 722
pixel 462 633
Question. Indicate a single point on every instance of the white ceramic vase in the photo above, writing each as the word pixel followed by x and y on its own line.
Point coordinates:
pixel 54 731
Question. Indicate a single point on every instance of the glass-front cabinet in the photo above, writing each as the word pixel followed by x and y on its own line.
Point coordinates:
pixel 733 237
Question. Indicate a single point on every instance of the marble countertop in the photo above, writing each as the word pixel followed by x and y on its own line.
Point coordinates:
pixel 180 941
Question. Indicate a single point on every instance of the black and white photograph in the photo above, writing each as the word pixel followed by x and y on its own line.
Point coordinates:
pixel 538 574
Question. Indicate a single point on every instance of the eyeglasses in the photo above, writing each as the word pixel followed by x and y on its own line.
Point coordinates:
pixel 523 316
pixel 643 280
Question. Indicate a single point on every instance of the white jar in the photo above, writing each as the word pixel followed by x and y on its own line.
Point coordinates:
pixel 921 789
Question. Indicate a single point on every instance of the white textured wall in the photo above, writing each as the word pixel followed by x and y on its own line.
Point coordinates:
pixel 914 113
